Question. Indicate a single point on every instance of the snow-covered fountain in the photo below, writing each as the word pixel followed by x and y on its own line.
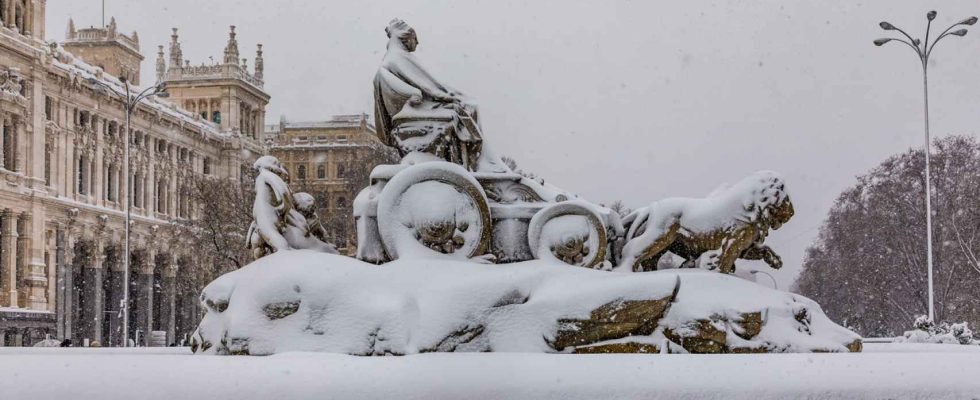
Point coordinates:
pixel 456 252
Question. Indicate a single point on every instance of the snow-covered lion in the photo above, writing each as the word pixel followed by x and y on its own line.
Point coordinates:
pixel 729 224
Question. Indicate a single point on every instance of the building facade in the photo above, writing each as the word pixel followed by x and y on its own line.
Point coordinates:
pixel 331 160
pixel 62 182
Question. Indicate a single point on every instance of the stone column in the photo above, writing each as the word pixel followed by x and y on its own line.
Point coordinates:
pixel 23 259
pixel 17 156
pixel 11 16
pixel 144 293
pixel 114 300
pixel 98 170
pixel 8 259
pixel 169 307
pixel 151 182
pixel 63 298
pixel 94 294
pixel 3 131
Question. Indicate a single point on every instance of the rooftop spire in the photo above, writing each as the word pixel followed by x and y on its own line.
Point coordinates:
pixel 259 63
pixel 72 33
pixel 161 64
pixel 231 50
pixel 176 55
pixel 112 27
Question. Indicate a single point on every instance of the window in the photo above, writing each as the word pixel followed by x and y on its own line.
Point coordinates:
pixel 80 176
pixel 48 108
pixel 301 172
pixel 204 115
pixel 341 202
pixel 216 117
pixel 207 165
pixel 7 160
pixel 321 172
pixel 161 194
pixel 341 138
pixel 340 171
pixel 110 184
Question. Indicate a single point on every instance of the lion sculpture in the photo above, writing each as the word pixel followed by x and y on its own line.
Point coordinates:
pixel 729 224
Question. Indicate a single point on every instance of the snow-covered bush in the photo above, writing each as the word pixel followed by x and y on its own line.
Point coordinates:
pixel 927 331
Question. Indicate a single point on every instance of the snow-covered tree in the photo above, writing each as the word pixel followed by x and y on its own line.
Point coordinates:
pixel 868 268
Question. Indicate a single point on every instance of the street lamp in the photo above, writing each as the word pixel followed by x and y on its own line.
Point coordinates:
pixel 129 104
pixel 924 50
pixel 774 284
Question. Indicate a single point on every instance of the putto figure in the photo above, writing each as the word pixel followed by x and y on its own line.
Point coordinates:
pixel 417 113
pixel 271 207
pixel 729 224
pixel 282 221
pixel 305 230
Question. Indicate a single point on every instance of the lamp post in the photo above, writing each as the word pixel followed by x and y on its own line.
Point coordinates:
pixel 129 104
pixel 774 284
pixel 924 49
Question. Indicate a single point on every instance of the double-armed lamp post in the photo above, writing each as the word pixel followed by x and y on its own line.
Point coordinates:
pixel 923 49
pixel 130 102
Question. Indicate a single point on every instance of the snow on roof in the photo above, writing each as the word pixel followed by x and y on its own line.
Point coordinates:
pixel 67 62
pixel 335 122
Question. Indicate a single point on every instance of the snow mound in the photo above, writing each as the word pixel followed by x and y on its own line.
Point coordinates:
pixel 307 301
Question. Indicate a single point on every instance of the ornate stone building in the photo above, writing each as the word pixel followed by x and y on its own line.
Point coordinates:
pixel 332 160
pixel 62 187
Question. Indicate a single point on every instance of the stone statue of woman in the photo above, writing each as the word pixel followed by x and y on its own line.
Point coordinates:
pixel 416 113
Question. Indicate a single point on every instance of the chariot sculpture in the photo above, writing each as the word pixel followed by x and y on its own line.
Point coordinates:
pixel 452 195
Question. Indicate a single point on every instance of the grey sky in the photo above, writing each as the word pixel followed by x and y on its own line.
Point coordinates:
pixel 631 100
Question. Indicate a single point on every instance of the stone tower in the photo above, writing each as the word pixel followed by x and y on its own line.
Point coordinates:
pixel 114 52
pixel 224 93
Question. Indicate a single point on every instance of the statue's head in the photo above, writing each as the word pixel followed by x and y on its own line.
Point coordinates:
pixel 400 30
pixel 271 164
pixel 766 199
pixel 304 203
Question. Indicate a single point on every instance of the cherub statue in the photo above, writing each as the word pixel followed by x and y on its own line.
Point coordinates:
pixel 271 208
pixel 729 224
pixel 282 220
pixel 415 112
pixel 304 230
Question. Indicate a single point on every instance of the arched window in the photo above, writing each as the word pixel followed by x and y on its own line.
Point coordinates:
pixel 321 172
pixel 216 117
pixel 340 170
pixel 341 202
pixel 301 172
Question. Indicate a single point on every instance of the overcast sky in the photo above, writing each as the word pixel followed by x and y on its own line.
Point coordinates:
pixel 631 100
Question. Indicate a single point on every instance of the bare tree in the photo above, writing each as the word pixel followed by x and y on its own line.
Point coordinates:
pixel 224 213
pixel 868 265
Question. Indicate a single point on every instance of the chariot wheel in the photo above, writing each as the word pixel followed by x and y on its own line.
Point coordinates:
pixel 434 207
pixel 571 232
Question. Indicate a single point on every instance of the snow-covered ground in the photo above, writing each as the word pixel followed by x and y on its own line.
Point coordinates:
pixel 895 371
